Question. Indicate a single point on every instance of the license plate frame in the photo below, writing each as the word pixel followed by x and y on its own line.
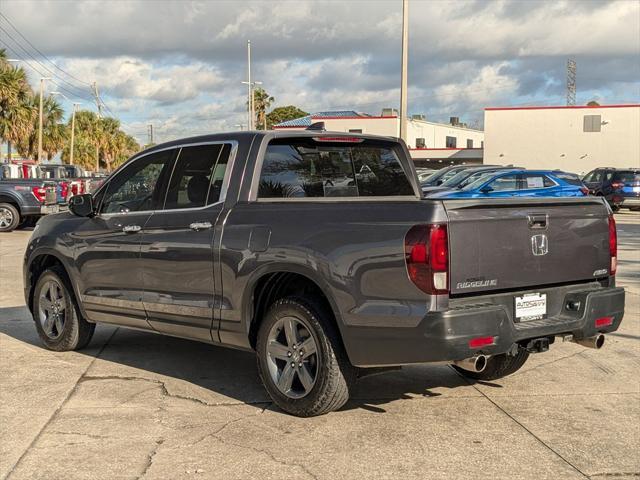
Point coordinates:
pixel 530 306
pixel 49 209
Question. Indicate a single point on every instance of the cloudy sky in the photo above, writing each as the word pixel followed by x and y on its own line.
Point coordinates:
pixel 178 65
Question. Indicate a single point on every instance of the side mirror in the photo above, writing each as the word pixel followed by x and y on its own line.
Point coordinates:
pixel 82 205
pixel 486 189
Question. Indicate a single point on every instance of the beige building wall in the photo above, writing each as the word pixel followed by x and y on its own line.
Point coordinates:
pixel 434 133
pixel 555 137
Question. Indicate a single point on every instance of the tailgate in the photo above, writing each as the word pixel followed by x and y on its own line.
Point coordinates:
pixel 521 243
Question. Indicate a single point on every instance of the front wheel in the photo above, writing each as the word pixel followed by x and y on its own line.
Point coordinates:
pixel 58 321
pixel 300 359
pixel 498 366
pixel 9 217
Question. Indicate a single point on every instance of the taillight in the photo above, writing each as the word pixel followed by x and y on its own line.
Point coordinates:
pixel 64 189
pixel 74 189
pixel 339 139
pixel 613 245
pixel 40 193
pixel 584 190
pixel 426 249
pixel 617 185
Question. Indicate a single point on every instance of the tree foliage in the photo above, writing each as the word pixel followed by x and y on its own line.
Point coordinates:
pixel 282 114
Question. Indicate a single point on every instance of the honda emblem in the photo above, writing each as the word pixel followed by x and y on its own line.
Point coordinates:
pixel 540 245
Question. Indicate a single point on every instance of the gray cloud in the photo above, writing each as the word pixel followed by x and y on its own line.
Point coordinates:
pixel 170 62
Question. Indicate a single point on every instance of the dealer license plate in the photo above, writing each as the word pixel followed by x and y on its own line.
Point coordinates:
pixel 532 306
pixel 46 209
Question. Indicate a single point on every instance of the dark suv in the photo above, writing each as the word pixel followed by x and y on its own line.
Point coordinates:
pixel 620 186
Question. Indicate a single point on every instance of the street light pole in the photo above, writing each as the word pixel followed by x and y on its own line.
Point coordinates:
pixel 42 80
pixel 73 122
pixel 250 87
pixel 403 81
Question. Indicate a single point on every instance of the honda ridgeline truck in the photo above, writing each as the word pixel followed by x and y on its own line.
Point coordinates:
pixel 318 251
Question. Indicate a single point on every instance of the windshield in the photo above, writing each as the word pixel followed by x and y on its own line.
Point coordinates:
pixel 484 177
pixel 462 178
pixel 628 176
pixel 437 175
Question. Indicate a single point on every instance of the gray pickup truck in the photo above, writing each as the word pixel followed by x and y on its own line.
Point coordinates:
pixel 24 200
pixel 317 251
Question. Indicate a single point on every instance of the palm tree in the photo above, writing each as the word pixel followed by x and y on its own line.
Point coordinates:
pixel 53 131
pixel 262 101
pixel 85 143
pixel 16 109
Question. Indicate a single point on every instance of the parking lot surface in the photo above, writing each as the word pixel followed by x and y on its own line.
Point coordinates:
pixel 138 405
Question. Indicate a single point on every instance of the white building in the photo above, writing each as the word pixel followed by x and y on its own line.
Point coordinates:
pixel 431 144
pixel 575 138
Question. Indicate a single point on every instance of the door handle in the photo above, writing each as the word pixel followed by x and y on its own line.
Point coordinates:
pixel 538 221
pixel 131 228
pixel 196 226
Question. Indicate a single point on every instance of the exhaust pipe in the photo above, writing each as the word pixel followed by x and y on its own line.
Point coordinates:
pixel 597 341
pixel 474 364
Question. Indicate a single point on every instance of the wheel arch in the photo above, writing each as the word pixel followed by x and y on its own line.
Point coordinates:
pixel 12 200
pixel 269 285
pixel 38 263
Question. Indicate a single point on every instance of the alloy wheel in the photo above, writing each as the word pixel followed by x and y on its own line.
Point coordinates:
pixel 292 357
pixel 6 217
pixel 52 309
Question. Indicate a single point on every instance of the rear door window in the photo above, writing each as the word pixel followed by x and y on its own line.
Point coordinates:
pixel 198 176
pixel 627 176
pixel 308 168
pixel 502 184
pixel 532 181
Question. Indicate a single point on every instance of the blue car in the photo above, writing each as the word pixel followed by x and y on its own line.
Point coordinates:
pixel 520 183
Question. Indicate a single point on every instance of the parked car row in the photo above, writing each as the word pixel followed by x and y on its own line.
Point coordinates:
pixel 620 187
pixel 24 200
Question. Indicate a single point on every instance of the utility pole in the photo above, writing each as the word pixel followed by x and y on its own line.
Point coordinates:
pixel 94 86
pixel 403 80
pixel 73 131
pixel 42 80
pixel 571 82
pixel 73 122
pixel 150 134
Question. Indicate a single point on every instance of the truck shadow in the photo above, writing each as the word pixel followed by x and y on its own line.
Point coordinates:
pixel 216 375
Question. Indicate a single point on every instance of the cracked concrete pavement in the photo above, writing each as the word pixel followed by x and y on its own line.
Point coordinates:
pixel 138 405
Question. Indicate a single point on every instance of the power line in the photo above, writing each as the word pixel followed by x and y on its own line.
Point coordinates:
pixel 43 55
pixel 49 71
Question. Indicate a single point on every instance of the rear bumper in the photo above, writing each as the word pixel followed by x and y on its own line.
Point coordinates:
pixel 631 202
pixel 444 336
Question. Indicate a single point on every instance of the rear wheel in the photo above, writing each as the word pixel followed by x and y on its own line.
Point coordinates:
pixel 300 359
pixel 498 366
pixel 9 217
pixel 58 321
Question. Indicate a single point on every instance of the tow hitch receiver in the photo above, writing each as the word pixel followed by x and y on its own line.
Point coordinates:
pixel 538 345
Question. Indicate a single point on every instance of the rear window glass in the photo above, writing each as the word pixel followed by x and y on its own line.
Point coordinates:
pixel 301 168
pixel 629 176
pixel 533 181
pixel 570 178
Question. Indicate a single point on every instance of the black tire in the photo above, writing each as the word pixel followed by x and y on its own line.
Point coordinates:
pixel 334 373
pixel 498 366
pixel 76 332
pixel 9 217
